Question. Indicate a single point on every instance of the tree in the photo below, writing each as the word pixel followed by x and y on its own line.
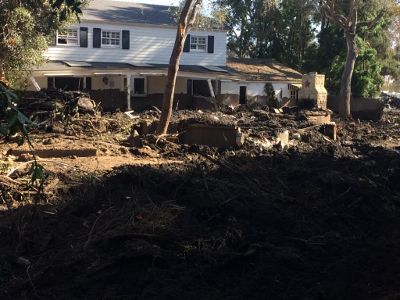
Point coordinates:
pixel 26 25
pixel 349 24
pixel 271 94
pixel 186 21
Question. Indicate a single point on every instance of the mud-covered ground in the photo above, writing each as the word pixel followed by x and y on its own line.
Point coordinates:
pixel 319 219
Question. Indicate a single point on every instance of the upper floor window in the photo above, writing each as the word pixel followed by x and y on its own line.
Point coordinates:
pixel 69 37
pixel 198 43
pixel 110 38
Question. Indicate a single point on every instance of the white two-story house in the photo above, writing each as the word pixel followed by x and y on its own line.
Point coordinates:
pixel 120 51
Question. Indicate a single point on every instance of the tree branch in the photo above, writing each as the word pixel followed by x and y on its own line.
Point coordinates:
pixel 373 22
pixel 193 14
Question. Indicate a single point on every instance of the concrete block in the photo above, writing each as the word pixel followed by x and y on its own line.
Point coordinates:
pixel 283 138
pixel 240 138
pixel 218 136
pixel 330 130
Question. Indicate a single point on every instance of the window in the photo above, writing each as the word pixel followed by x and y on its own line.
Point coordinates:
pixel 198 43
pixel 110 38
pixel 293 94
pixel 69 37
pixel 139 86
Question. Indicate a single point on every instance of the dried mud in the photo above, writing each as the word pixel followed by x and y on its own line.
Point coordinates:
pixel 319 219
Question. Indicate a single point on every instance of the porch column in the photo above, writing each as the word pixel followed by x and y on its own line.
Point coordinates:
pixel 35 84
pixel 212 94
pixel 84 82
pixel 128 91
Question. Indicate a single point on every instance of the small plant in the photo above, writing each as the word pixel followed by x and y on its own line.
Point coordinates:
pixel 9 114
pixel 270 92
pixel 11 121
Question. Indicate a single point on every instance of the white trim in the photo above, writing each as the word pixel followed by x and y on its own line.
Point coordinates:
pixel 59 75
pixel 107 74
pixel 152 74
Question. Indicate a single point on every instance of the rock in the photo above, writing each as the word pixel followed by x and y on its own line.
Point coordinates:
pixel 134 139
pixel 86 104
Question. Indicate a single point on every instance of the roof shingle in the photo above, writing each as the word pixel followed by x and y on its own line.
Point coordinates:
pixel 129 12
pixel 264 69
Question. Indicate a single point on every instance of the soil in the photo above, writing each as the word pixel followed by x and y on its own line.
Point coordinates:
pixel 315 219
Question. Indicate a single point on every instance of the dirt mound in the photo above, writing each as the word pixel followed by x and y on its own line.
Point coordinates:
pixel 316 219
pixel 228 228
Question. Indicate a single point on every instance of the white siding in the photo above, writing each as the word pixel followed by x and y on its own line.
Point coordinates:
pixel 147 45
pixel 157 85
pixel 114 82
pixel 254 88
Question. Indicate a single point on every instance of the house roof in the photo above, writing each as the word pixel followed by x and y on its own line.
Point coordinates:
pixel 64 67
pixel 129 12
pixel 264 69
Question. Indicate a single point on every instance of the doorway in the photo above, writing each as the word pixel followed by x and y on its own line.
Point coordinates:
pixel 243 93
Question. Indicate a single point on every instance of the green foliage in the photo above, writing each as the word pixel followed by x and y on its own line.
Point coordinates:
pixel 25 27
pixel 276 29
pixel 270 92
pixel 38 174
pixel 13 119
pixel 214 18
pixel 328 57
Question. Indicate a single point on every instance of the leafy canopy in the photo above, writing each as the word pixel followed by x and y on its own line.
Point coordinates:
pixel 26 26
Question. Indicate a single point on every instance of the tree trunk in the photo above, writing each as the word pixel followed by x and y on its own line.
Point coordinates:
pixel 168 99
pixel 183 28
pixel 345 87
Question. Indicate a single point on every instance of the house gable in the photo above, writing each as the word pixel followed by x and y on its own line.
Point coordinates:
pixel 140 44
pixel 109 28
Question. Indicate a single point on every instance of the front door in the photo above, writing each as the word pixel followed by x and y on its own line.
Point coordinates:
pixel 243 92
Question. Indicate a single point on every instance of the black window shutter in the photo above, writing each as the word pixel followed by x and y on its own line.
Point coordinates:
pixel 219 88
pixel 83 41
pixel 189 86
pixel 96 37
pixel 210 44
pixel 125 39
pixel 186 47
pixel 88 83
pixel 50 82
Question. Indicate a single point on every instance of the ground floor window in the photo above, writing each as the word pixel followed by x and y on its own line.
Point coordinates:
pixel 139 87
pixel 200 87
pixel 69 83
pixel 293 94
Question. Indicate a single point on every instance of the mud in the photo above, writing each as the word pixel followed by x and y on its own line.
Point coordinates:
pixel 315 219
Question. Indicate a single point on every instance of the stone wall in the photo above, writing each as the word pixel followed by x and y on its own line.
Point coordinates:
pixel 360 108
pixel 253 102
pixel 313 88
pixel 114 99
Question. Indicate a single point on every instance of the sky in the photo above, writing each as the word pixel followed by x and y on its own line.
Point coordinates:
pixel 161 2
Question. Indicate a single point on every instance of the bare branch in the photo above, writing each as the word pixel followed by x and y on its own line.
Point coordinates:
pixel 193 14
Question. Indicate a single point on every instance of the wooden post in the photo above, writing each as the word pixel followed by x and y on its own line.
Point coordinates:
pixel 128 91
pixel 212 94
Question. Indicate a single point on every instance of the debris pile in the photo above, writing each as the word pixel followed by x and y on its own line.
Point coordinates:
pixel 292 213
pixel 42 103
